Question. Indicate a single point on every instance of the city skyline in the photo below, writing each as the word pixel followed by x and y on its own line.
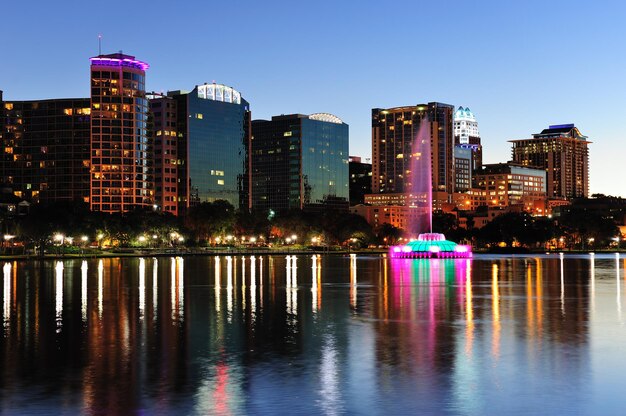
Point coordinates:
pixel 527 77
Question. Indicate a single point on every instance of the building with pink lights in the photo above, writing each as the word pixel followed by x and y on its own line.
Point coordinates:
pixel 120 165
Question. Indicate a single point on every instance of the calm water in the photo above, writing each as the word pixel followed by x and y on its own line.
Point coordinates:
pixel 314 335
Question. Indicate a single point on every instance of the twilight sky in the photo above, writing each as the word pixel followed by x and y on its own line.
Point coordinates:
pixel 519 65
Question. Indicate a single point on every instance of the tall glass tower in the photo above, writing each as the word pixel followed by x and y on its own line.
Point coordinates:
pixel 300 162
pixel 120 161
pixel 213 122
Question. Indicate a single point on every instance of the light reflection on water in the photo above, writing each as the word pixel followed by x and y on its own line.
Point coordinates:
pixel 358 335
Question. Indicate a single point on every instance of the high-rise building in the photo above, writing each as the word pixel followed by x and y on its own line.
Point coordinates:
pixel 465 126
pixel 120 156
pixel 462 168
pixel 360 179
pixel 213 123
pixel 509 184
pixel 164 136
pixel 562 151
pixel 393 133
pixel 300 162
pixel 45 148
pixel 466 134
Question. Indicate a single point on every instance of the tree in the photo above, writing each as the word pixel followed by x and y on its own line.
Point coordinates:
pixel 210 219
pixel 388 234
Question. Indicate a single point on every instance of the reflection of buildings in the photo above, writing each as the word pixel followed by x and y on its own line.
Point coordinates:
pixel 231 333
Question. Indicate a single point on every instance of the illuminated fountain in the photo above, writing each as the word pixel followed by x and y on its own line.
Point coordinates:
pixel 420 198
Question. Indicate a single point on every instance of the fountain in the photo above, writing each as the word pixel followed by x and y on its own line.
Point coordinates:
pixel 420 198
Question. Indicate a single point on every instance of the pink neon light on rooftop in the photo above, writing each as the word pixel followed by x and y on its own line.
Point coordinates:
pixel 132 63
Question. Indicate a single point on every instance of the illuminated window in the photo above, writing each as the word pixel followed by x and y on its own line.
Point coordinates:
pixel 220 181
pixel 199 116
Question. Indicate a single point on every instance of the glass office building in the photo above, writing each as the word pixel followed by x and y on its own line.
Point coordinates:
pixel 300 162
pixel 214 135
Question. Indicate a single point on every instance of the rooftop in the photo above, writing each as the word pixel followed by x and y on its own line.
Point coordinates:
pixel 119 59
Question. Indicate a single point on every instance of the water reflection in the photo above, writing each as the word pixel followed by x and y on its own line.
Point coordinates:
pixel 142 287
pixel 316 283
pixel 291 286
pixel 388 336
pixel 495 294
pixel 6 294
pixel 58 283
pixel 353 282
pixel 84 268
pixel 619 291
pixel 100 285
pixel 229 287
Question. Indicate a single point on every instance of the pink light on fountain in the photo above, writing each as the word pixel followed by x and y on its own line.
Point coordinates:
pixel 419 180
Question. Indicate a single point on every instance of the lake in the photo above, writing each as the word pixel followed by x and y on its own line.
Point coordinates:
pixel 329 335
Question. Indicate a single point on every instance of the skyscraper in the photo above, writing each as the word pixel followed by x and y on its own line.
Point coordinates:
pixel 45 148
pixel 462 168
pixel 164 136
pixel 562 151
pixel 213 125
pixel 466 134
pixel 120 157
pixel 393 132
pixel 300 162
pixel 360 180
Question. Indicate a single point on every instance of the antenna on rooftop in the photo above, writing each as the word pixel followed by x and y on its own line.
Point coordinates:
pixel 99 44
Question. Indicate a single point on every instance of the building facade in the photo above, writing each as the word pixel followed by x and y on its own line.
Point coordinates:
pixel 213 122
pixel 164 136
pixel 462 168
pixel 562 152
pixel 393 132
pixel 300 162
pixel 360 179
pixel 466 135
pixel 509 184
pixel 45 149
pixel 120 154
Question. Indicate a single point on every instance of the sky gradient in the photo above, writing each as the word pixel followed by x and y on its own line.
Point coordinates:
pixel 519 66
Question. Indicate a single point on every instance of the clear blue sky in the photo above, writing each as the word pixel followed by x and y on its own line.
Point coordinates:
pixel 518 65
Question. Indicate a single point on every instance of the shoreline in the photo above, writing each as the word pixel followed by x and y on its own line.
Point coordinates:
pixel 262 252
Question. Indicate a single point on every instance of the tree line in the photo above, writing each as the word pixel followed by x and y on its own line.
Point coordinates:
pixel 219 223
